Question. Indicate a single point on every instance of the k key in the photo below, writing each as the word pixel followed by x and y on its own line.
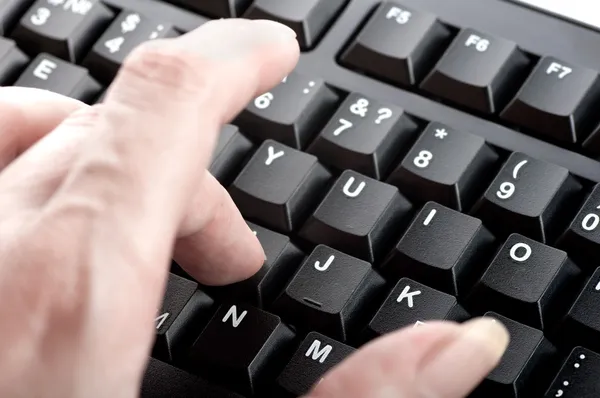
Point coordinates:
pixel 579 376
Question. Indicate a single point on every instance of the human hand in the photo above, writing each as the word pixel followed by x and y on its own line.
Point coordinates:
pixel 95 201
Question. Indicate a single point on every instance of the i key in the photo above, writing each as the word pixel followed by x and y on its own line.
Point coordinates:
pixel 216 8
pixel 316 356
pixel 51 73
pixel 457 246
pixel 230 152
pixel 398 44
pixel 330 293
pixel 63 28
pixel 12 61
pixel 578 377
pixel 129 30
pixel 184 311
pixel 411 303
pixel 557 101
pixel 445 165
pixel 290 113
pixel 241 348
pixel 359 216
pixel 279 186
pixel 528 281
pixel 478 71
pixel 530 197
pixel 364 136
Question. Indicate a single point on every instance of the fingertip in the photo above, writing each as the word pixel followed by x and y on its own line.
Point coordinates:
pixel 488 333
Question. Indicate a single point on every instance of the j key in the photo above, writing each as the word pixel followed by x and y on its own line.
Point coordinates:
pixel 365 136
pixel 10 12
pixel 241 347
pixel 128 31
pixel 359 216
pixel 291 113
pixel 329 293
pixel 316 356
pixel 457 246
pixel 522 369
pixel 579 376
pixel 557 101
pixel 445 165
pixel 66 29
pixel 231 151
pixel 216 8
pixel 12 61
pixel 582 324
pixel 308 18
pixel 398 44
pixel 530 197
pixel 527 281
pixel 282 261
pixel 184 309
pixel 279 186
pixel 411 303
pixel 51 73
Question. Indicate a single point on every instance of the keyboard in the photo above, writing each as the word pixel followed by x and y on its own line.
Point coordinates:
pixel 426 160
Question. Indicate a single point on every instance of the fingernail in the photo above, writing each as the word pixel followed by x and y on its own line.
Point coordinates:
pixel 487 332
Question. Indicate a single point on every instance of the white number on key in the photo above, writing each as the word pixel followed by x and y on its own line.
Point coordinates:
pixel 345 125
pixel 507 189
pixel 41 16
pixel 591 221
pixel 264 101
pixel 422 160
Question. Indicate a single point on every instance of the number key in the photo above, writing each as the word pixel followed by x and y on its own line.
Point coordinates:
pixel 530 197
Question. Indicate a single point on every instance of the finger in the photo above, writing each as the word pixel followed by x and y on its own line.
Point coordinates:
pixel 438 360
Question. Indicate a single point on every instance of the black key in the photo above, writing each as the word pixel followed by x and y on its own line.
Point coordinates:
pixel 308 18
pixel 557 101
pixel 528 281
pixel 411 303
pixel 12 61
pixel 457 247
pixel 530 197
pixel 216 8
pixel 359 216
pixel 279 186
pixel 128 30
pixel 523 367
pixel 478 71
pixel 579 376
pixel 51 73
pixel 447 166
pixel 291 113
pixel 331 293
pixel 398 44
pixel 162 380
pixel 10 12
pixel 64 28
pixel 364 136
pixel 231 150
pixel 181 317
pixel 283 259
pixel 241 348
pixel 316 356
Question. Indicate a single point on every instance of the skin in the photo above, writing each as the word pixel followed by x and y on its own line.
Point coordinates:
pixel 95 200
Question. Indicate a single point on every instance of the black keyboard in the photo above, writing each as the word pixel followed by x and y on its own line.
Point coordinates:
pixel 427 159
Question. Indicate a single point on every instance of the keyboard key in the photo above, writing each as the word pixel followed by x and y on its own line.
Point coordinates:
pixel 51 73
pixel 447 166
pixel 527 281
pixel 283 260
pixel 10 12
pixel 578 377
pixel 181 317
pixel 308 18
pixel 478 71
pixel 557 101
pixel 128 30
pixel 411 303
pixel 316 356
pixel 232 149
pixel 365 136
pixel 279 186
pixel 330 293
pixel 66 29
pixel 523 366
pixel 398 44
pixel 216 8
pixel 12 61
pixel 290 113
pixel 530 197
pixel 241 348
pixel 442 248
pixel 359 216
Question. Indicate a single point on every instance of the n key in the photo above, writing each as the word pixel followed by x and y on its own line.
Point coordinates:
pixel 529 197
